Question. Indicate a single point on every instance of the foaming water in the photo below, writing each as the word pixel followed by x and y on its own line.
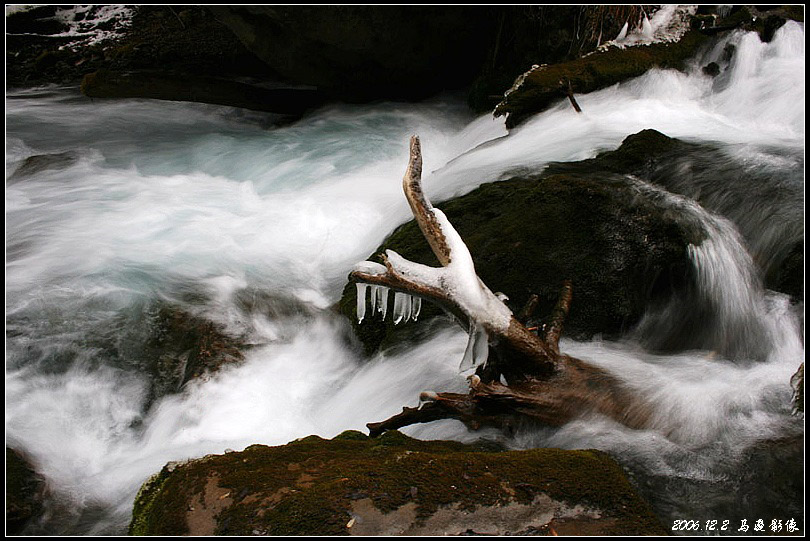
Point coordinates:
pixel 757 102
pixel 211 208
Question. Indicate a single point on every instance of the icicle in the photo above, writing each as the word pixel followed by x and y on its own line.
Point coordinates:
pixel 399 307
pixel 416 307
pixel 477 349
pixel 374 298
pixel 406 308
pixel 382 301
pixel 646 28
pixel 622 33
pixel 361 301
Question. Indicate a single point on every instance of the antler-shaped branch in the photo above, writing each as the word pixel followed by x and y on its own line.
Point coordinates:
pixel 455 286
pixel 541 384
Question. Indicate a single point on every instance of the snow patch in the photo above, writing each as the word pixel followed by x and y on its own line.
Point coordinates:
pixel 369 267
pixel 667 25
pixel 463 285
pixel 89 24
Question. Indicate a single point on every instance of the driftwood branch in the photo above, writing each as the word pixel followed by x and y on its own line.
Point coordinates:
pixel 528 310
pixel 525 377
pixel 558 315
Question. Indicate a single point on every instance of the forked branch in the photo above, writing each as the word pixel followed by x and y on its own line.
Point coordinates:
pixel 540 383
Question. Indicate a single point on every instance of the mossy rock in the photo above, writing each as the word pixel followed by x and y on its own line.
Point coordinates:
pixel 705 173
pixel 539 88
pixel 169 342
pixel 182 347
pixel 24 492
pixel 622 248
pixel 396 486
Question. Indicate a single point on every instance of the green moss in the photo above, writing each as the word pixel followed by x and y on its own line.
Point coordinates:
pixel 307 440
pixel 143 513
pixel 308 488
pixel 351 435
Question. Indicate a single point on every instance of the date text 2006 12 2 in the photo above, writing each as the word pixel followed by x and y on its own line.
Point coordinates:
pixel 742 526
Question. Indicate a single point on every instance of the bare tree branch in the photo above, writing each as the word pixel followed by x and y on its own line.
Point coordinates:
pixel 525 377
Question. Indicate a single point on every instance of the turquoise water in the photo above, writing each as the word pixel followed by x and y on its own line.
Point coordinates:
pixel 204 205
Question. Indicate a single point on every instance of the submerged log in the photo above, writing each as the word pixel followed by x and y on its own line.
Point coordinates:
pixel 521 375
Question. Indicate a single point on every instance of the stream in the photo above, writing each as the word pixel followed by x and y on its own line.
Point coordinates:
pixel 202 206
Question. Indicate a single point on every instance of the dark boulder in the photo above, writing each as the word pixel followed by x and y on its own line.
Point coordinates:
pixel 392 485
pixel 764 20
pixel 178 42
pixel 25 490
pixel 732 189
pixel 788 277
pixel 167 341
pixel 181 347
pixel 40 20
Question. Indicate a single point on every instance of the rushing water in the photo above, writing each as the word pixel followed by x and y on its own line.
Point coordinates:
pixel 202 205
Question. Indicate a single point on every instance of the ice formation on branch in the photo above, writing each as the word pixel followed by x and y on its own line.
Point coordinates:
pixel 455 285
pixel 406 307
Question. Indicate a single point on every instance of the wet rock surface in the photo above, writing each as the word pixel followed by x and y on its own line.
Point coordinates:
pixel 391 485
pixel 163 85
pixel 40 51
pixel 25 491
pixel 705 173
pixel 43 162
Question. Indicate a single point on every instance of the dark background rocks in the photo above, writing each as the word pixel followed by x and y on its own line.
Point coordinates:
pixel 347 53
pixel 25 491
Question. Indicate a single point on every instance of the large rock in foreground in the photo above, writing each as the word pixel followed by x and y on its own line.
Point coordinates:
pixel 392 485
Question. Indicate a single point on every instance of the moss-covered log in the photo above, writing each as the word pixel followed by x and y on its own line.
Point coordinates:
pixel 540 87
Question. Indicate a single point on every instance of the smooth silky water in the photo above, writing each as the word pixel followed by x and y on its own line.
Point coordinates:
pixel 203 206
